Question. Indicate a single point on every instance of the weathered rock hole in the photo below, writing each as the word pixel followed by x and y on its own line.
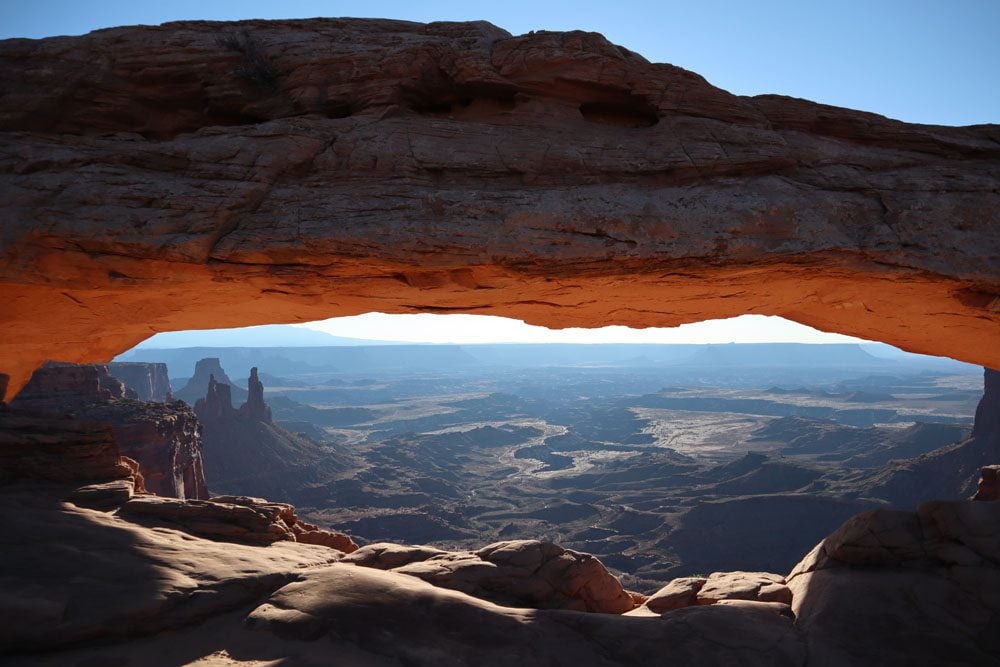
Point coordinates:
pixel 337 110
pixel 466 102
pixel 629 113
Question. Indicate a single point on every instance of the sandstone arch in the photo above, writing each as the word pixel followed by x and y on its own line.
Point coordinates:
pixel 198 175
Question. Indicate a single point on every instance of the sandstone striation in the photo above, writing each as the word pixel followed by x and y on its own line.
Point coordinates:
pixel 163 438
pixel 148 381
pixel 197 175
pixel 234 518
pixel 59 449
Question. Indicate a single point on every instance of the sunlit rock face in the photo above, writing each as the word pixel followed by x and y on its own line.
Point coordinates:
pixel 201 175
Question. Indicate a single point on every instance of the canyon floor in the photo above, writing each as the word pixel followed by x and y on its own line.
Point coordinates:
pixel 742 457
pixel 594 514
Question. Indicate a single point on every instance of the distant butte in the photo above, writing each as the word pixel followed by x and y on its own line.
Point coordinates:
pixel 197 175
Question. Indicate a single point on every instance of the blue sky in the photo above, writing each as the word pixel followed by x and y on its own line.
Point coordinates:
pixel 920 61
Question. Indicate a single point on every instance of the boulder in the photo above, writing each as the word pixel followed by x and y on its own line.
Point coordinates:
pixel 234 518
pixel 519 573
pixel 375 617
pixel 889 584
pixel 989 483
pixel 753 586
pixel 386 555
pixel 682 592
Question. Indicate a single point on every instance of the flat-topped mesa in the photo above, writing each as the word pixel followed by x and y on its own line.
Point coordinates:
pixel 59 387
pixel 204 371
pixel 206 175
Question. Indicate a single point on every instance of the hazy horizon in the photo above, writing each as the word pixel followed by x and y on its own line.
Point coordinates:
pixel 426 328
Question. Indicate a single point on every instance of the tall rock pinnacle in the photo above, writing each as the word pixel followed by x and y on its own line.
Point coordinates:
pixel 255 408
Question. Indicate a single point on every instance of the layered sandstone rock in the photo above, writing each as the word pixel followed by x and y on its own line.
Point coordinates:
pixel 101 588
pixel 62 388
pixel 59 449
pixel 72 575
pixel 234 518
pixel 718 588
pixel 519 573
pixel 149 381
pixel 164 439
pixel 199 175
pixel 255 408
pixel 987 423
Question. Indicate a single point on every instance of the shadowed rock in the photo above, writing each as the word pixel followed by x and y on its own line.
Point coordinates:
pixel 520 573
pixel 891 583
pixel 163 438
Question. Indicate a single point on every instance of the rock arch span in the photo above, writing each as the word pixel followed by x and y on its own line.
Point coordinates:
pixel 202 175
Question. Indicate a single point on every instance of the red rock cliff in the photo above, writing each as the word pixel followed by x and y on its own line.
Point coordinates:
pixel 165 439
pixel 149 381
pixel 207 175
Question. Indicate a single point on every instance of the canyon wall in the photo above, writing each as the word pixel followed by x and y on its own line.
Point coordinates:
pixel 203 175
pixel 163 438
pixel 149 381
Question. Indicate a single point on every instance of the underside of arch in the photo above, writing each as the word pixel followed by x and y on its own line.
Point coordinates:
pixel 205 175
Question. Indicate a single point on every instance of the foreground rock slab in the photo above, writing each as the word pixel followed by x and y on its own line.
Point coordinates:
pixel 86 587
pixel 71 575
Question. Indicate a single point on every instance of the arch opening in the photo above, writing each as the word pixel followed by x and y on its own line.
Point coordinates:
pixel 617 447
